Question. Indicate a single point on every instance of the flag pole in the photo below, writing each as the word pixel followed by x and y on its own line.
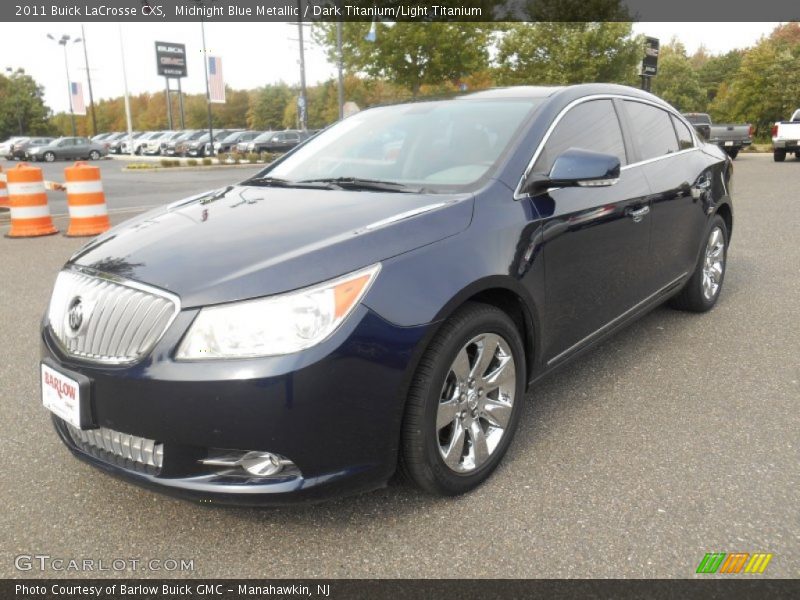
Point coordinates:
pixel 208 91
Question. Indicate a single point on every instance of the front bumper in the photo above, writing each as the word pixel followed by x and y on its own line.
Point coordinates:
pixel 334 411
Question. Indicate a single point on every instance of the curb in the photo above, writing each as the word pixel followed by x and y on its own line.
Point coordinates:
pixel 194 168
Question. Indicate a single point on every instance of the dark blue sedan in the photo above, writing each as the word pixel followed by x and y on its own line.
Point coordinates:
pixel 384 295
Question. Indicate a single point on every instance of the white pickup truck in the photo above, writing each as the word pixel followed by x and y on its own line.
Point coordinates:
pixel 786 138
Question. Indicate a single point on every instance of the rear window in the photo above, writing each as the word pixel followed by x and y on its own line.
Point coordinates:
pixel 685 139
pixel 651 129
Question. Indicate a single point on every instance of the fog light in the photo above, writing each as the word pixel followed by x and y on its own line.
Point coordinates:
pixel 261 464
pixel 254 462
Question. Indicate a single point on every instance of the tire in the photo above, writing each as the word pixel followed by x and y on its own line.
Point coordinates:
pixel 699 295
pixel 94 155
pixel 49 157
pixel 733 153
pixel 466 412
pixel 779 155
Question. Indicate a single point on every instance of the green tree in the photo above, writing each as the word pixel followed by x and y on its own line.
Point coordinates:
pixel 563 53
pixel 411 54
pixel 22 107
pixel 267 106
pixel 718 70
pixel 677 82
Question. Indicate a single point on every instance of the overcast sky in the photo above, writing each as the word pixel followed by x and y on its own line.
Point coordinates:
pixel 253 53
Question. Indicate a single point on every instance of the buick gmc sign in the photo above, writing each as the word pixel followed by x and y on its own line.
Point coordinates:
pixel 171 59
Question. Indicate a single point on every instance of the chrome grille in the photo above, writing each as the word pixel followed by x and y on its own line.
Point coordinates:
pixel 128 447
pixel 121 320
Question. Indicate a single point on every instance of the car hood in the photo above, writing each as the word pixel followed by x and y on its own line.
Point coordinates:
pixel 243 242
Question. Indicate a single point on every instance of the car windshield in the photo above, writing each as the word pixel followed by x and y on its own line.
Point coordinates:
pixel 265 137
pixel 432 144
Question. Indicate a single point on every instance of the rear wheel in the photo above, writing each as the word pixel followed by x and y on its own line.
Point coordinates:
pixel 464 402
pixel 779 155
pixel 732 152
pixel 94 155
pixel 702 290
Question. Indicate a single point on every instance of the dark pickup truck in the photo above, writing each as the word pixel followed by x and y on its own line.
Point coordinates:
pixel 731 138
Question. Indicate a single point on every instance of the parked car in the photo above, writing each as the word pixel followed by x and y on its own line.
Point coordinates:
pixel 731 138
pixel 5 147
pixel 68 148
pixel 279 141
pixel 154 146
pixel 115 145
pixel 102 136
pixel 230 142
pixel 786 138
pixel 201 147
pixel 136 144
pixel 19 148
pixel 296 335
pixel 181 145
pixel 244 146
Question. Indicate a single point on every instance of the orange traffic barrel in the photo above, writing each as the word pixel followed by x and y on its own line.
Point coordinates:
pixel 30 215
pixel 88 214
pixel 3 190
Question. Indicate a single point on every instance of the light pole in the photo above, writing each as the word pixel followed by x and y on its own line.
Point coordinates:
pixel 63 42
pixel 303 102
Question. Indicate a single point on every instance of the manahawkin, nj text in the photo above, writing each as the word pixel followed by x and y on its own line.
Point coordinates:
pixel 310 11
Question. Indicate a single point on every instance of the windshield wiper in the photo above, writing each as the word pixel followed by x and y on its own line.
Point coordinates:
pixel 358 183
pixel 278 182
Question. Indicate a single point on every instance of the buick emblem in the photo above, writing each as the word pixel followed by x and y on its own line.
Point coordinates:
pixel 75 315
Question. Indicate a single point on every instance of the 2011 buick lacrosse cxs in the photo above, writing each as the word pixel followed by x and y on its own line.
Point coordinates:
pixel 383 295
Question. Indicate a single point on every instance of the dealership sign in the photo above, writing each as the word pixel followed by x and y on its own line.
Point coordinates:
pixel 171 59
pixel 650 60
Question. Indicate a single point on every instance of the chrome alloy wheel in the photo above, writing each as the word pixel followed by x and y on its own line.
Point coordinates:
pixel 714 264
pixel 476 402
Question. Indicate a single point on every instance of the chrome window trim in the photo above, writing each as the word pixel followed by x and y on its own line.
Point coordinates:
pixel 518 195
pixel 116 279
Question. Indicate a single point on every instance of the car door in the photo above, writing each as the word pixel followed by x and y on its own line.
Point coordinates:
pixel 65 148
pixel 595 240
pixel 679 181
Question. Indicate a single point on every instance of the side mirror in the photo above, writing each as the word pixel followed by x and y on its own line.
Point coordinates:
pixel 576 168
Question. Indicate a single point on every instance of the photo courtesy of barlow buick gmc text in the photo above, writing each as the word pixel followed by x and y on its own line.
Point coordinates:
pixel 385 299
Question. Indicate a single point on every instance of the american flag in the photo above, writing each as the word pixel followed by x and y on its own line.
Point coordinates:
pixel 216 87
pixel 76 96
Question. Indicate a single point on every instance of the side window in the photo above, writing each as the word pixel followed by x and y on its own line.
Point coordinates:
pixel 652 130
pixel 684 135
pixel 591 125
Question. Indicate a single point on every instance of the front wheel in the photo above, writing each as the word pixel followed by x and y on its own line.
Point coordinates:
pixel 779 155
pixel 49 156
pixel 94 155
pixel 701 292
pixel 464 402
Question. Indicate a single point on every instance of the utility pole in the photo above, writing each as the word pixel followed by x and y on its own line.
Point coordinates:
pixel 302 104
pixel 89 79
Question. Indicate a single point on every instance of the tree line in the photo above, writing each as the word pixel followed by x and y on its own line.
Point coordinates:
pixel 759 84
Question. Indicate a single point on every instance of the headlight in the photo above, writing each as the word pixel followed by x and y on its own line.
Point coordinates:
pixel 275 325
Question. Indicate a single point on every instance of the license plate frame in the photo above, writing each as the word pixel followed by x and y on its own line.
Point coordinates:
pixel 75 411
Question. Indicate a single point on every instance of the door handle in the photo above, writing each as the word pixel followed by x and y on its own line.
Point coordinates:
pixel 637 214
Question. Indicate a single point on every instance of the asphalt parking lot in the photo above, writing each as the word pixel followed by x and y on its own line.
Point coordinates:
pixel 677 437
pixel 137 189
